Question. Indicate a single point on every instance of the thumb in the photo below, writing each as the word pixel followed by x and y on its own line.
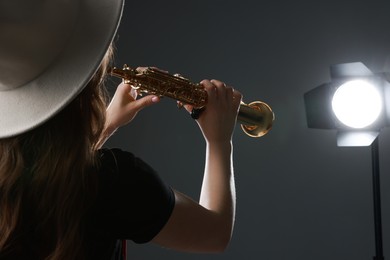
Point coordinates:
pixel 124 88
pixel 188 108
pixel 143 102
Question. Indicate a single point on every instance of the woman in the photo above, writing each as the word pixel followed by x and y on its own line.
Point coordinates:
pixel 61 197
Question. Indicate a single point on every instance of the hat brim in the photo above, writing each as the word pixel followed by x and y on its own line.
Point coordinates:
pixel 34 103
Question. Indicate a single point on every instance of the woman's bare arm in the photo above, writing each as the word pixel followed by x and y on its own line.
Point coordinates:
pixel 207 225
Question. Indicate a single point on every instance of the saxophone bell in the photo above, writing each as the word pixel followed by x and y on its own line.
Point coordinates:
pixel 256 118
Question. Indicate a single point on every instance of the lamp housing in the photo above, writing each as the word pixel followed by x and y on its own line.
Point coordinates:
pixel 320 114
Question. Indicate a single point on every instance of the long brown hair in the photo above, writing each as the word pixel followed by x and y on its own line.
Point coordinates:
pixel 48 172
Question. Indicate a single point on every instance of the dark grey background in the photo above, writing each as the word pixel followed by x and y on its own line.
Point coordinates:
pixel 299 196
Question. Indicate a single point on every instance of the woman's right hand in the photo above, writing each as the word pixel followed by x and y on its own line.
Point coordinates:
pixel 219 117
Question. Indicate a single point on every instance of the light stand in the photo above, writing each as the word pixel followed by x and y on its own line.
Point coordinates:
pixel 377 201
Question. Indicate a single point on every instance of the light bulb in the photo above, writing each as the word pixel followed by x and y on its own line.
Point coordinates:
pixel 357 104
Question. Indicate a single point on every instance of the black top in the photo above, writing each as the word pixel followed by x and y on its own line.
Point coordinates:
pixel 133 203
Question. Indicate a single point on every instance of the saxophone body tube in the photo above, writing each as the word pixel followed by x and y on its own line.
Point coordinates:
pixel 256 118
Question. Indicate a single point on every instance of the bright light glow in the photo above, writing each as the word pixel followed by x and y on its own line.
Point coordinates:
pixel 357 104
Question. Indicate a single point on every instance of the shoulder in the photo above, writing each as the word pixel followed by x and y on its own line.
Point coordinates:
pixel 132 197
pixel 118 161
pixel 114 157
pixel 127 173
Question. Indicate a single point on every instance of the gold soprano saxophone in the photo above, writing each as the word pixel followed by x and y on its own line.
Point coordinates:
pixel 256 118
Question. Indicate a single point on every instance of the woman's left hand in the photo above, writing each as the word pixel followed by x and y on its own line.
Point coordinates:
pixel 124 107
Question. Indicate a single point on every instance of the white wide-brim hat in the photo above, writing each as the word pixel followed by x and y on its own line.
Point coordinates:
pixel 49 50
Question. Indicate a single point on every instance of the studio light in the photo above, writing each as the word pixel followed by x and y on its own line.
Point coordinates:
pixel 356 102
pixel 353 103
